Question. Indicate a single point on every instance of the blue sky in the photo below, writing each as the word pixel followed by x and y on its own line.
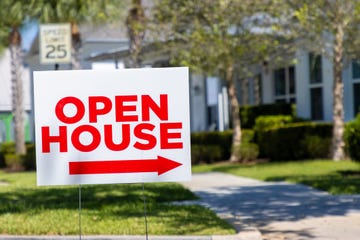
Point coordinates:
pixel 28 33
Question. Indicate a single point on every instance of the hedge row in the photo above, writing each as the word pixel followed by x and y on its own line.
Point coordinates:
pixel 277 138
pixel 352 138
pixel 274 137
pixel 209 147
pixel 248 114
pixel 294 141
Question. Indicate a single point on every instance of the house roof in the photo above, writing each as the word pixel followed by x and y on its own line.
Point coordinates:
pixel 150 53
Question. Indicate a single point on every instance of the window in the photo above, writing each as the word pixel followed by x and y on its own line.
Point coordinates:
pixel 355 70
pixel 356 92
pixel 280 82
pixel 284 83
pixel 316 96
pixel 315 68
pixel 292 80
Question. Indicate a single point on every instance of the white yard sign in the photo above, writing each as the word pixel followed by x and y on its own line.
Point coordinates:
pixel 113 126
pixel 55 43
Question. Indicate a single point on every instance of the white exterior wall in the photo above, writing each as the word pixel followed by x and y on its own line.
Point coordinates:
pixel 267 90
pixel 327 84
pixel 302 84
pixel 198 106
pixel 303 87
pixel 348 93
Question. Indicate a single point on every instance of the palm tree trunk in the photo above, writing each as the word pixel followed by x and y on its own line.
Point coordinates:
pixel 75 46
pixel 338 108
pixel 17 90
pixel 136 31
pixel 234 103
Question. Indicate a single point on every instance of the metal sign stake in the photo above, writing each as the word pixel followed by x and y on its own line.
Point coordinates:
pixel 145 214
pixel 80 232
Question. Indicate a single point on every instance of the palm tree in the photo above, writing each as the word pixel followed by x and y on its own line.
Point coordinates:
pixel 135 23
pixel 13 14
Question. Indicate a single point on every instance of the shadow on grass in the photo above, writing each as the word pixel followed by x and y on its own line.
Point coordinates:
pixel 339 182
pixel 93 197
pixel 122 205
pixel 336 182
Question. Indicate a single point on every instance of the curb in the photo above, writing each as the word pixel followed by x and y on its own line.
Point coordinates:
pixel 249 234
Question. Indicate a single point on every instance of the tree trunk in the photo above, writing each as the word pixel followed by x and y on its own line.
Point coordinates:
pixel 338 144
pixel 236 140
pixel 17 90
pixel 75 46
pixel 257 90
pixel 244 91
pixel 136 31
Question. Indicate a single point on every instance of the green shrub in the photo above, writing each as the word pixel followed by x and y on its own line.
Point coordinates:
pixel 271 121
pixel 247 135
pixel 295 141
pixel 247 152
pixel 205 153
pixel 264 123
pixel 352 138
pixel 209 140
pixel 2 160
pixel 8 156
pixel 316 146
pixel 215 146
pixel 14 162
pixel 248 114
pixel 212 137
pixel 6 148
pixel 30 158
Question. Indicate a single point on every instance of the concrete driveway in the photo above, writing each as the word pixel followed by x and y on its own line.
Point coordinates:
pixel 278 210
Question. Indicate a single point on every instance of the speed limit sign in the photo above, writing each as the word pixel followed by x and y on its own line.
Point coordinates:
pixel 55 43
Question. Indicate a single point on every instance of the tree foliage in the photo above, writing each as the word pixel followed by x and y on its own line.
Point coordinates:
pixel 215 34
pixel 219 37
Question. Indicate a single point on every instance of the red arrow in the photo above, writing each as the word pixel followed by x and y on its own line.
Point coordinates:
pixel 160 165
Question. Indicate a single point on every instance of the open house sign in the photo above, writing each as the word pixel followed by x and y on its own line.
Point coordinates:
pixel 117 126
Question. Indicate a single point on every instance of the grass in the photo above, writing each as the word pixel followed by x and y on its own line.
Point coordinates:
pixel 334 177
pixel 106 209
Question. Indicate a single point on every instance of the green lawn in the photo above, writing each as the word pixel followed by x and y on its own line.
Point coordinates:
pixel 335 177
pixel 106 209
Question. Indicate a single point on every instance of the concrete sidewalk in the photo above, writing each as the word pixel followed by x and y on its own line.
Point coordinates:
pixel 278 210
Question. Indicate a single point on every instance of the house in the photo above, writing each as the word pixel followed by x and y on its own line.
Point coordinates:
pixel 306 81
pixel 309 84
